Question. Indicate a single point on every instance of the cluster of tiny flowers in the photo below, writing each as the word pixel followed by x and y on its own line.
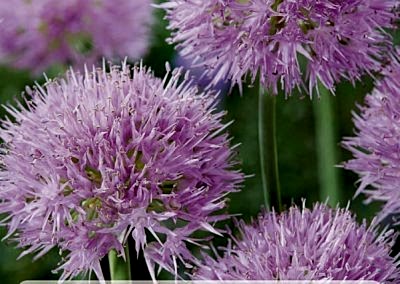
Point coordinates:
pixel 95 158
pixel 232 39
pixel 37 34
pixel 376 147
pixel 317 244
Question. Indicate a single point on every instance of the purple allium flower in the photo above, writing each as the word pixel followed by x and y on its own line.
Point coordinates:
pixel 95 158
pixel 317 244
pixel 198 75
pixel 232 38
pixel 376 146
pixel 37 34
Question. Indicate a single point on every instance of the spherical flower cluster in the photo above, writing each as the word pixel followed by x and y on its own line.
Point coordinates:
pixel 376 147
pixel 232 39
pixel 37 34
pixel 95 158
pixel 317 244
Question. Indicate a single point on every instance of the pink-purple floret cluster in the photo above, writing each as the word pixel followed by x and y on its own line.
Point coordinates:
pixel 96 158
pixel 38 34
pixel 265 38
pixel 304 244
pixel 375 147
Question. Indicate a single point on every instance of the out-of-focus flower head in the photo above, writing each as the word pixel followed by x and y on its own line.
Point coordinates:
pixel 235 38
pixel 37 34
pixel 376 144
pixel 95 158
pixel 198 75
pixel 302 244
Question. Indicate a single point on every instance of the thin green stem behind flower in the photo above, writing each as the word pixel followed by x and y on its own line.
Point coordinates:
pixel 326 147
pixel 268 149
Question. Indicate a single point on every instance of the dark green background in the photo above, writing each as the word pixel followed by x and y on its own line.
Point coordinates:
pixel 296 142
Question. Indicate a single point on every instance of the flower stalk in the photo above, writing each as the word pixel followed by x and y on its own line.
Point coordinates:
pixel 120 268
pixel 326 148
pixel 268 149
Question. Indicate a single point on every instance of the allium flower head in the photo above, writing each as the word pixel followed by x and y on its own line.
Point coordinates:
pixel 235 38
pixel 375 147
pixel 95 158
pixel 37 34
pixel 317 244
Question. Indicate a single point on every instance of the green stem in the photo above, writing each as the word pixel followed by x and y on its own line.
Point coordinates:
pixel 119 268
pixel 326 147
pixel 268 149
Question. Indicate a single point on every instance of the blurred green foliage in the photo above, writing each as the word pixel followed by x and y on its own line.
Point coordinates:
pixel 296 142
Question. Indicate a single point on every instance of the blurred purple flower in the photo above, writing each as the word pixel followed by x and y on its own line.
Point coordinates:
pixel 95 158
pixel 317 244
pixel 37 34
pixel 376 146
pixel 198 75
pixel 232 39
